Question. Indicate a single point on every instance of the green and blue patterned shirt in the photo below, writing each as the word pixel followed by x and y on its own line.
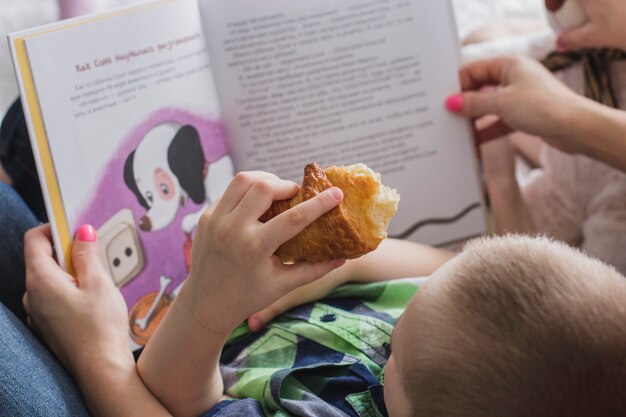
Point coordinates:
pixel 322 359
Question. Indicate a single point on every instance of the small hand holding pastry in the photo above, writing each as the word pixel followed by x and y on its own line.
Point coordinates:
pixel 233 267
pixel 289 236
pixel 352 229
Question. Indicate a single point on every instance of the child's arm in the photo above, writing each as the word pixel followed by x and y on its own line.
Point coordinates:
pixel 510 213
pixel 394 259
pixel 233 275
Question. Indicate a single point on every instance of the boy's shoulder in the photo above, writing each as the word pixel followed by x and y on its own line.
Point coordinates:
pixel 328 355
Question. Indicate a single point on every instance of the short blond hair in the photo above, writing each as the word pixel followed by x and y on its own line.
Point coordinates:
pixel 523 327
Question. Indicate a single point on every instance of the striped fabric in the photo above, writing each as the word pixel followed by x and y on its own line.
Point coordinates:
pixel 597 69
pixel 321 359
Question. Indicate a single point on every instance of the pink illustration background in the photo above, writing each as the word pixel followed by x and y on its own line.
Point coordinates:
pixel 163 250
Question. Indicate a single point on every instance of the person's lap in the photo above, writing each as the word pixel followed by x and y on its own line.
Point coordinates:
pixel 32 382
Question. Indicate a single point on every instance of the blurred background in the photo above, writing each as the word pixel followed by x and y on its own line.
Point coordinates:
pixel 22 14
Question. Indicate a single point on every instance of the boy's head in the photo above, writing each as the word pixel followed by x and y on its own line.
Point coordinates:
pixel 513 326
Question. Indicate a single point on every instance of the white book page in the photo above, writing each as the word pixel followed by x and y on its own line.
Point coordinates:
pixel 97 82
pixel 136 141
pixel 347 81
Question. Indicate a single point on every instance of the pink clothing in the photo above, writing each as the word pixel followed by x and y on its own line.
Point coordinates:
pixel 73 8
pixel 580 200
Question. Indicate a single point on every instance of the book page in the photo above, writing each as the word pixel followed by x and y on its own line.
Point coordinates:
pixel 134 136
pixel 341 82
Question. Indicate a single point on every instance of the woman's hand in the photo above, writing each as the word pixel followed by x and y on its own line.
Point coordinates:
pixel 233 269
pixel 523 95
pixel 604 28
pixel 84 319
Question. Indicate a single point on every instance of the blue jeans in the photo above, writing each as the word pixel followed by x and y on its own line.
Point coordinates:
pixel 32 382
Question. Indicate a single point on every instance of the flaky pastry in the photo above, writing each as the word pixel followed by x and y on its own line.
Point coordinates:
pixel 354 228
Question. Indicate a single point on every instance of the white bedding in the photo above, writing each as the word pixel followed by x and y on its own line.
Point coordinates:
pixel 21 14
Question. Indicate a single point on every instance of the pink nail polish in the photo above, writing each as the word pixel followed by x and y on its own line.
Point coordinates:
pixel 455 103
pixel 86 233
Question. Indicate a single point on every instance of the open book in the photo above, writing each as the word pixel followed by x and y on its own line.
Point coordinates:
pixel 139 118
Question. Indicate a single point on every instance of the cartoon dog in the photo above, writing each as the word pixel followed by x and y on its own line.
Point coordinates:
pixel 167 169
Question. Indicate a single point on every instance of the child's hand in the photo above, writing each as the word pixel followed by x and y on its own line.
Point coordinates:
pixel 307 294
pixel 233 270
pixel 83 320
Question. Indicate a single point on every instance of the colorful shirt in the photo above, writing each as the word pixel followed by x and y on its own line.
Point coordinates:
pixel 321 359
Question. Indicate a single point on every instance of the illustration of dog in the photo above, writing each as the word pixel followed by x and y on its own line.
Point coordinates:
pixel 168 169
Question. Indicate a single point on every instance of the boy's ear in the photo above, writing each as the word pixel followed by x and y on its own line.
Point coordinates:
pixel 129 180
pixel 186 159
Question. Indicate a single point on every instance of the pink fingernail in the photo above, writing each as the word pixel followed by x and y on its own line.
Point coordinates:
pixel 560 45
pixel 336 193
pixel 86 233
pixel 455 103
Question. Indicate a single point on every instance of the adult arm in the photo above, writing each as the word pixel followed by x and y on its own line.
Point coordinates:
pixel 600 132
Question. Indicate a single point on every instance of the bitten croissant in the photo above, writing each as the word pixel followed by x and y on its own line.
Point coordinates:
pixel 354 228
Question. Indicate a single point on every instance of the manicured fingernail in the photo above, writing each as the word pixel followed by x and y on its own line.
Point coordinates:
pixel 455 103
pixel 560 45
pixel 336 193
pixel 86 233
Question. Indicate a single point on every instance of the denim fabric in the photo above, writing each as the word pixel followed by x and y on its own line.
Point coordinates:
pixel 15 220
pixel 32 382
pixel 17 159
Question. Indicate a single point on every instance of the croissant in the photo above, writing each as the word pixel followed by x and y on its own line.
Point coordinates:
pixel 354 228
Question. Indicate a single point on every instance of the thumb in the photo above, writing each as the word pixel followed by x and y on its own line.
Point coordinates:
pixel 474 104
pixel 579 37
pixel 257 321
pixel 86 255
